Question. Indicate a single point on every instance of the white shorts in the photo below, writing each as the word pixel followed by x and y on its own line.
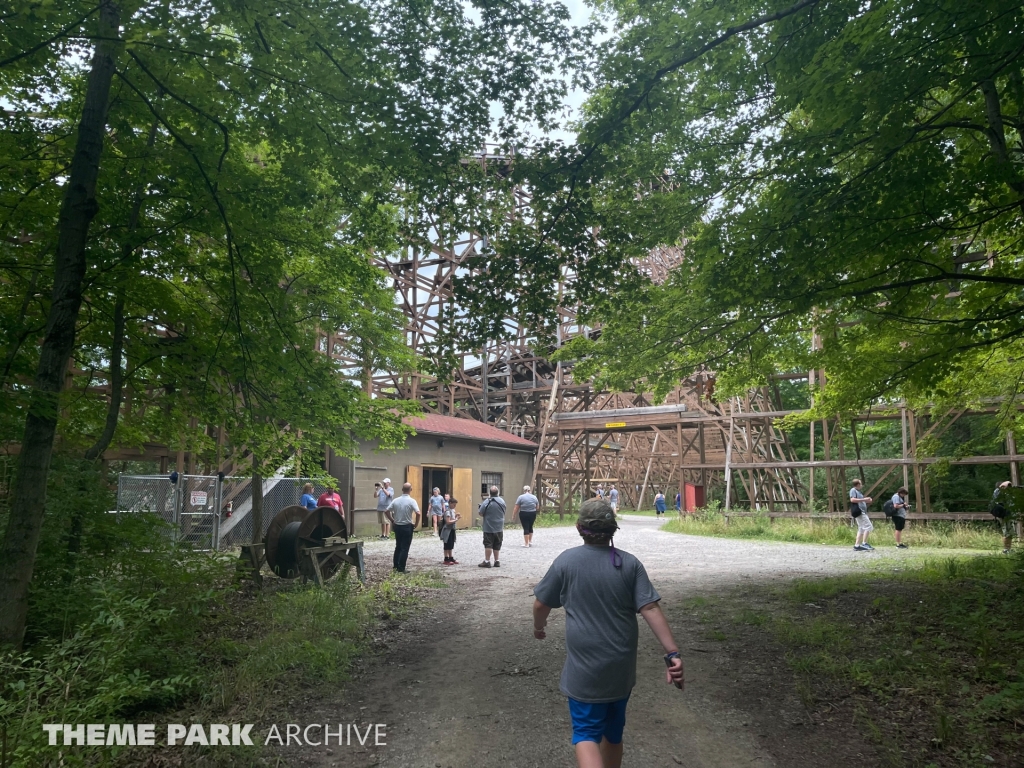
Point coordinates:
pixel 864 522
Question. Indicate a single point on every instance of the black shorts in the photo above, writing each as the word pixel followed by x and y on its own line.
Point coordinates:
pixel 898 522
pixel 493 540
pixel 527 519
pixel 450 544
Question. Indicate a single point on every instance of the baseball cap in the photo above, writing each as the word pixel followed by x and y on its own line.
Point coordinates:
pixel 597 516
pixel 387 479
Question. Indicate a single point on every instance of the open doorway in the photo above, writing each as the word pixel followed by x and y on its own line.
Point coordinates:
pixel 433 477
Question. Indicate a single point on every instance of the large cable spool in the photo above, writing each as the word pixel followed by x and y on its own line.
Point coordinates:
pixel 295 529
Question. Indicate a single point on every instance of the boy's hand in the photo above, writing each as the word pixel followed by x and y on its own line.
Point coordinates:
pixel 540 634
pixel 674 674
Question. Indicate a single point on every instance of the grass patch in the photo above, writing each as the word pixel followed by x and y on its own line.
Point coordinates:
pixel 936 534
pixel 172 636
pixel 938 650
pixel 551 520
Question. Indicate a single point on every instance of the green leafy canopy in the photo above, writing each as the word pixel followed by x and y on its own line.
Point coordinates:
pixel 829 167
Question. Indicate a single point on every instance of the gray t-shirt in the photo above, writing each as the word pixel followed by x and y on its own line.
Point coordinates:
pixel 437 505
pixel 528 503
pixel 613 496
pixel 492 510
pixel 898 511
pixel 448 519
pixel 856 494
pixel 403 508
pixel 384 496
pixel 601 634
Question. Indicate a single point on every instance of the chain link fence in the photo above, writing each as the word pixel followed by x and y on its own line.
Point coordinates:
pixel 204 513
pixel 278 493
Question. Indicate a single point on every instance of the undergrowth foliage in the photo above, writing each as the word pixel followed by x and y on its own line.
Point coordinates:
pixel 125 626
pixel 939 647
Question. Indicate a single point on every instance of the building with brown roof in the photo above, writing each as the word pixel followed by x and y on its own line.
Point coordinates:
pixel 460 456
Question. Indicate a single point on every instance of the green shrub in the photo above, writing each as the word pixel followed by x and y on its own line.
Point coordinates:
pixel 125 660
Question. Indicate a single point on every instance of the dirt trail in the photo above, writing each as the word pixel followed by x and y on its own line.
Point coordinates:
pixel 464 684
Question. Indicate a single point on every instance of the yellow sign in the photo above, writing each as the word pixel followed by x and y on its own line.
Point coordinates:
pixel 613 424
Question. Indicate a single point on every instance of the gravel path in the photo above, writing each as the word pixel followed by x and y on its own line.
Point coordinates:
pixel 464 684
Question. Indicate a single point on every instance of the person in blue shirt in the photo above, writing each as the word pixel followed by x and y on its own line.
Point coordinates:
pixel 613 498
pixel 679 502
pixel 308 500
pixel 659 504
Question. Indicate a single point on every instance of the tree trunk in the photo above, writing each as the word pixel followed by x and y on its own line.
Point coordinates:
pixel 116 381
pixel 257 502
pixel 78 208
pixel 117 342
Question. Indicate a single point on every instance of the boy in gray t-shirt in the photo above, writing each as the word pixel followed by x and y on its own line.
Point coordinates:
pixel 602 589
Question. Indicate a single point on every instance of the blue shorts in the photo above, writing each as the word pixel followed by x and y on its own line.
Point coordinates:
pixel 594 722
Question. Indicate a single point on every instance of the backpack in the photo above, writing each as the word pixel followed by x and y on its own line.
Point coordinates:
pixel 855 510
pixel 889 508
pixel 996 508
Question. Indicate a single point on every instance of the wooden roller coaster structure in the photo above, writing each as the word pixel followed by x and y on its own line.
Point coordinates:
pixel 731 447
pixel 586 437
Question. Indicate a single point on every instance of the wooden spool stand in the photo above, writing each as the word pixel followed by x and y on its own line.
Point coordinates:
pixel 350 551
pixel 251 560
pixel 253 556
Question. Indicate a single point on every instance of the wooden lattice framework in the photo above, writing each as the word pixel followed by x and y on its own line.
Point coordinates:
pixel 586 436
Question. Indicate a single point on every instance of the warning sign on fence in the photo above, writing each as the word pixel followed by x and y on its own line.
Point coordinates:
pixel 197 498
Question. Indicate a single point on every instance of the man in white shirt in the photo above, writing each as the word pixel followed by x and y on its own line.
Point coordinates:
pixel 859 511
pixel 613 498
pixel 404 514
pixel 900 507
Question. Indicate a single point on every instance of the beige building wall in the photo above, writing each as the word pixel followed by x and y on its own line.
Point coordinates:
pixel 514 466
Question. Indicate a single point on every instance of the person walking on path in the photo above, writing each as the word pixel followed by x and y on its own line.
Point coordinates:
pixel 436 510
pixel 1004 507
pixel 659 504
pixel 526 508
pixel 679 502
pixel 451 517
pixel 492 510
pixel 602 589
pixel 613 498
pixel 331 498
pixel 859 511
pixel 900 508
pixel 404 514
pixel 308 500
pixel 384 493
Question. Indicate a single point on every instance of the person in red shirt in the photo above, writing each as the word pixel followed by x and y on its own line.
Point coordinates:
pixel 331 499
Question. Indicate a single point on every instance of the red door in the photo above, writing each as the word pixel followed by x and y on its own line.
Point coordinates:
pixel 693 497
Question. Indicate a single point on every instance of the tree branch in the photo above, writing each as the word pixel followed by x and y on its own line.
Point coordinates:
pixel 39 46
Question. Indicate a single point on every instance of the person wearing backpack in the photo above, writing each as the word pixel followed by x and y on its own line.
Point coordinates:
pixel 896 509
pixel 1004 507
pixel 492 510
pixel 859 512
